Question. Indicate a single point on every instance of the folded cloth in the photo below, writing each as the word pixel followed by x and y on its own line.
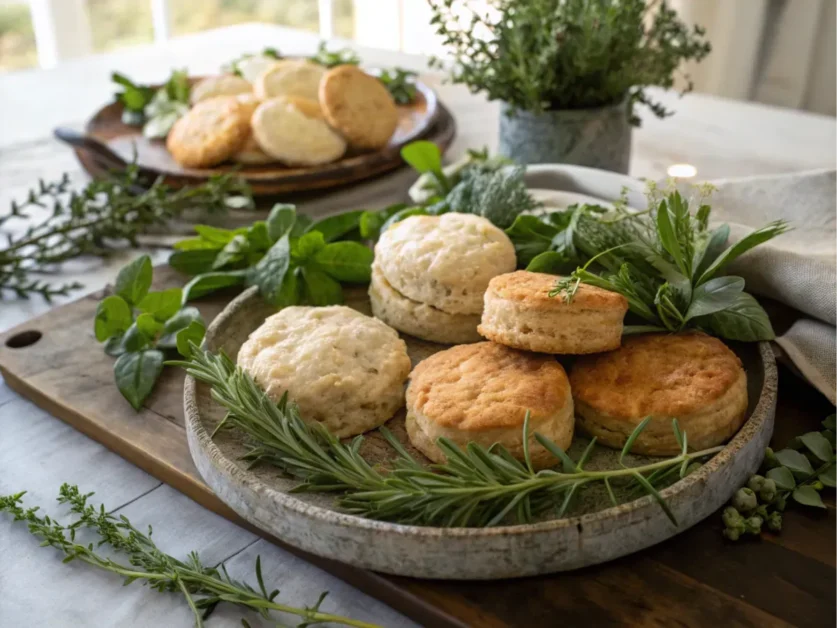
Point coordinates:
pixel 796 268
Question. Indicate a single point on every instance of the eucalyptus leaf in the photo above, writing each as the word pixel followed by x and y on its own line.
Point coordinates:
pixel 335 227
pixel 134 280
pixel 782 477
pixel 280 221
pixel 206 283
pixel 136 372
pixel 161 305
pixel 715 295
pixel 808 496
pixel 346 261
pixel 743 320
pixel 113 317
pixel 818 445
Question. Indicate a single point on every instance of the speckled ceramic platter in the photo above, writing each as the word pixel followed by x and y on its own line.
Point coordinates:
pixel 592 533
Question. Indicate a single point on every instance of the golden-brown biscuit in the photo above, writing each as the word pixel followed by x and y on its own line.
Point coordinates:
pixel 221 85
pixel 210 132
pixel 290 77
pixel 358 106
pixel 520 313
pixel 306 106
pixel 481 392
pixel 692 377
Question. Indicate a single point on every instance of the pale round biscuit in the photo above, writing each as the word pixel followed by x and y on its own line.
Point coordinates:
pixel 210 132
pixel 306 106
pixel 520 313
pixel 290 77
pixel 252 67
pixel 251 153
pixel 445 261
pixel 691 377
pixel 481 393
pixel 221 85
pixel 287 134
pixel 343 369
pixel 419 319
pixel 359 106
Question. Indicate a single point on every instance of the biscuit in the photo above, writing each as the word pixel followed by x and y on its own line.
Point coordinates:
pixel 290 77
pixel 419 319
pixel 520 313
pixel 358 106
pixel 306 106
pixel 287 134
pixel 209 133
pixel 445 261
pixel 222 85
pixel 691 377
pixel 481 392
pixel 251 153
pixel 343 369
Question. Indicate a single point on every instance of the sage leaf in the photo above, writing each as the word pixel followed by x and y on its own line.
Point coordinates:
pixel 113 317
pixel 320 289
pixel 181 320
pixel 280 221
pixel 795 462
pixel 148 325
pixel 818 445
pixel 134 280
pixel 193 262
pixel 346 261
pixel 828 478
pixel 714 295
pixel 161 305
pixel 783 478
pixel 552 263
pixel 743 320
pixel 192 333
pixel 270 272
pixel 335 227
pixel 305 247
pixel 211 282
pixel 808 496
pixel 746 243
pixel 136 372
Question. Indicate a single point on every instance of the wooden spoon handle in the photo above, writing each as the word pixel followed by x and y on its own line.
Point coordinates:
pixel 90 144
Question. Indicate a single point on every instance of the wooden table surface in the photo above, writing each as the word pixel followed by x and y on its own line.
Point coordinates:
pixel 694 579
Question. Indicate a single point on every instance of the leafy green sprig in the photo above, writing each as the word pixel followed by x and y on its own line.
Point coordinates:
pixel 799 473
pixel 330 59
pixel 138 327
pixel 233 67
pixel 104 215
pixel 156 110
pixel 476 487
pixel 290 258
pixel 400 83
pixel 203 587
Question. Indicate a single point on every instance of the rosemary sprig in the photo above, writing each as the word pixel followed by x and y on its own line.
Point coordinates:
pixel 476 487
pixel 202 587
pixel 106 214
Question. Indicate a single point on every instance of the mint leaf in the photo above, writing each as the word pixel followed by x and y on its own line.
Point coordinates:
pixel 113 316
pixel 162 305
pixel 280 221
pixel 270 272
pixel 148 325
pixel 193 261
pixel 335 227
pixel 346 261
pixel 320 289
pixel 134 280
pixel 210 282
pixel 306 247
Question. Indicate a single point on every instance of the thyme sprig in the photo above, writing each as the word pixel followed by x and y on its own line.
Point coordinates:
pixel 202 587
pixel 105 214
pixel 476 487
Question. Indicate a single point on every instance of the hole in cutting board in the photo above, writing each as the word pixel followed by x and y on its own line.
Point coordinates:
pixel 24 339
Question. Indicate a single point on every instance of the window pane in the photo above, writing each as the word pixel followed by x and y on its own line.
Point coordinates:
pixel 189 16
pixel 118 23
pixel 344 18
pixel 17 40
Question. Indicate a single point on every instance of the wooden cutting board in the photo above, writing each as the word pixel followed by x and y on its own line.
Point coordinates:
pixel 693 579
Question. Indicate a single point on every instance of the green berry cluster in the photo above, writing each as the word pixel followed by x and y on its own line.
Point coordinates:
pixel 796 473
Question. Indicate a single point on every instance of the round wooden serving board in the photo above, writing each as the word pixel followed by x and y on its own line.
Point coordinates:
pixel 423 119
pixel 593 532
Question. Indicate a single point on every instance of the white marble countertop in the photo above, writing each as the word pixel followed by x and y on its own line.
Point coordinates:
pixel 720 138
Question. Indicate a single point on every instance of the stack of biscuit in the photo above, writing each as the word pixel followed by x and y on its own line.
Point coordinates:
pixel 295 112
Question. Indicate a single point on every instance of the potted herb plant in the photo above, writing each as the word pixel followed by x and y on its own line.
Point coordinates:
pixel 569 73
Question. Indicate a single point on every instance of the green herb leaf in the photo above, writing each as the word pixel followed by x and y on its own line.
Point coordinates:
pixel 370 222
pixel 795 462
pixel 531 236
pixel 335 227
pixel 500 196
pixel 552 263
pixel 783 478
pixel 133 97
pixel 113 316
pixel 114 347
pixel 626 449
pixel 135 339
pixel 346 261
pixel 181 320
pixel 134 280
pixel 401 215
pixel 136 373
pixel 192 333
pixel 715 245
pixel 668 237
pixel 830 422
pixel 818 445
pixel 270 272
pixel 207 283
pixel 258 236
pixel 193 262
pixel 280 221
pixel 828 477
pixel 290 292
pixel 162 305
pixel 808 496
pixel 234 252
pixel 743 320
pixel 746 243
pixel 306 247
pixel 320 289
pixel 715 295
pixel 423 156
pixel 148 325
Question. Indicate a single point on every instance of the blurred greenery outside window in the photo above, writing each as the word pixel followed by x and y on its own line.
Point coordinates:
pixel 118 23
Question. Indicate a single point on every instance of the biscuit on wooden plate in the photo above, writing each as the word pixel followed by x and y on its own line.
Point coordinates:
pixel 520 313
pixel 692 377
pixel 221 85
pixel 290 77
pixel 358 106
pixel 210 132
pixel 481 392
pixel 287 134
